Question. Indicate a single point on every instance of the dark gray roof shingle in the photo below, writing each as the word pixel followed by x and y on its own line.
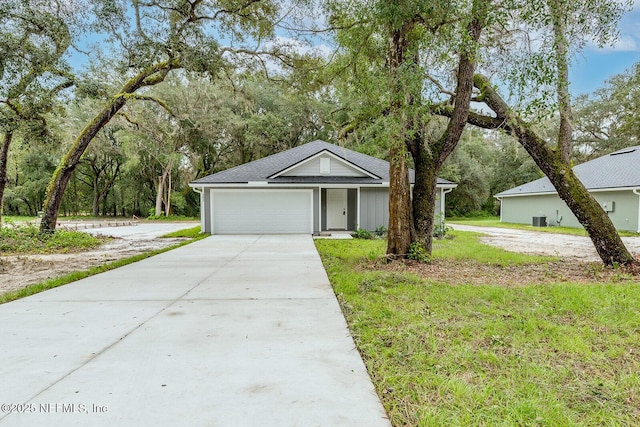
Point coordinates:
pixel 262 169
pixel 616 170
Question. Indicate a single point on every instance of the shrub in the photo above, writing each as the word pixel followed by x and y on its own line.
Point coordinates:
pixel 361 233
pixel 440 228
pixel 381 231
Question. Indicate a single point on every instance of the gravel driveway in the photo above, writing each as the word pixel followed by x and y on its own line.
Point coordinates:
pixel 543 243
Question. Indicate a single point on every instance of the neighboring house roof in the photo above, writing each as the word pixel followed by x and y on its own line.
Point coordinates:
pixel 613 171
pixel 263 170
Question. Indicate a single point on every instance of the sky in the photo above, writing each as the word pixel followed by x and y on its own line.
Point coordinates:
pixel 593 66
pixel 590 70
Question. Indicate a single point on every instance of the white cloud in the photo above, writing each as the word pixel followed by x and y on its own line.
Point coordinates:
pixel 625 43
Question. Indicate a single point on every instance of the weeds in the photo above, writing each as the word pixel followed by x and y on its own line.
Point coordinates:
pixel 362 233
pixel 26 239
pixel 417 252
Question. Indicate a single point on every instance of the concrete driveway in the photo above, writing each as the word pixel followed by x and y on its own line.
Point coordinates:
pixel 227 331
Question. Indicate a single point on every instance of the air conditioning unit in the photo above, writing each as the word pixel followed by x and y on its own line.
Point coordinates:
pixel 539 221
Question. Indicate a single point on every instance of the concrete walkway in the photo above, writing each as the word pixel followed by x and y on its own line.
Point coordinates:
pixel 227 331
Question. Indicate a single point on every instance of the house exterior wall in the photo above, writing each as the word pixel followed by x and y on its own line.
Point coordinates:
pixel 522 209
pixel 374 208
pixel 312 168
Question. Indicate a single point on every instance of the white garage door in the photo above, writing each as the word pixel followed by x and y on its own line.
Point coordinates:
pixel 262 211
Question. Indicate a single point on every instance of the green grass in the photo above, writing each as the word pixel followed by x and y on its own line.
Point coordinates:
pixel 172 218
pixel 77 275
pixel 26 239
pixel 539 355
pixel 458 245
pixel 495 222
pixel 191 233
pixel 465 245
pixel 14 219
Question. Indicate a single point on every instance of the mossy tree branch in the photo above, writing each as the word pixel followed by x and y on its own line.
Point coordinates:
pixel 587 210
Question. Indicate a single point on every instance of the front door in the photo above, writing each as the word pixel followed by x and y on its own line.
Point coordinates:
pixel 336 209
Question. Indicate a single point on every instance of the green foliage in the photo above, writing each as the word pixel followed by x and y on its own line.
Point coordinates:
pixel 26 239
pixel 468 355
pixel 440 228
pixel 606 120
pixel 380 231
pixel 417 252
pixel 362 233
pixel 483 165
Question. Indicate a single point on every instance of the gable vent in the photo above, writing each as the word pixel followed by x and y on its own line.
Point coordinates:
pixel 325 165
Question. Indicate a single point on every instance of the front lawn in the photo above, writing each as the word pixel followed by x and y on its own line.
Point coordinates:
pixel 446 349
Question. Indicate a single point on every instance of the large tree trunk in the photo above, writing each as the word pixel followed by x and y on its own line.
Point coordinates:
pixel 587 210
pixel 4 154
pixel 424 196
pixel 55 190
pixel 429 160
pixel 400 231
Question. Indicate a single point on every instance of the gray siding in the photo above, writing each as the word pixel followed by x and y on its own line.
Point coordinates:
pixel 374 208
pixel 205 210
pixel 312 168
pixel 522 209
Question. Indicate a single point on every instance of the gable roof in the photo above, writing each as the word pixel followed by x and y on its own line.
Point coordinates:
pixel 617 170
pixel 263 169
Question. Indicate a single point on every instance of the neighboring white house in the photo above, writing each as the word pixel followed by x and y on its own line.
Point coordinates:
pixel 613 180
pixel 308 189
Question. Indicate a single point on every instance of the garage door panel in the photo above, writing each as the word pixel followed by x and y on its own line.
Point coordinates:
pixel 262 212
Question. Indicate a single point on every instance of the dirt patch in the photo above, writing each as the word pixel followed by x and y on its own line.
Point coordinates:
pixel 474 273
pixel 542 243
pixel 20 271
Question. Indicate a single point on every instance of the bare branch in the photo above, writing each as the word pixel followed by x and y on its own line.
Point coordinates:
pixel 440 87
pixel 160 102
